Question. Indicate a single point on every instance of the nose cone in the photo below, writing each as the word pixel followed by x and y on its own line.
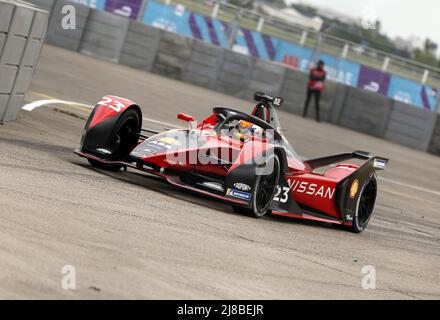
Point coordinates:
pixel 154 146
pixel 158 144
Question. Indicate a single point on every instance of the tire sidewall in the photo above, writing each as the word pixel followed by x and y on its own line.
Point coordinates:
pixel 129 114
pixel 357 227
pixel 255 212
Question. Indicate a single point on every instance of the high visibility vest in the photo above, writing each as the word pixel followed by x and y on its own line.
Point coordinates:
pixel 318 82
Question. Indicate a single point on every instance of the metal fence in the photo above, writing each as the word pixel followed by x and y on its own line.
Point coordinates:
pixel 318 41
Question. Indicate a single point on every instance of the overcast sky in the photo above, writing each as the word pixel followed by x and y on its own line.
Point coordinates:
pixel 399 18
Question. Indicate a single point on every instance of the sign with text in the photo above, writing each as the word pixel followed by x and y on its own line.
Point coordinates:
pixel 126 8
pixel 374 80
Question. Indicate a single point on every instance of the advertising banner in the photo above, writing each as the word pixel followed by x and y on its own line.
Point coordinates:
pixel 411 92
pixel 176 18
pixel 95 4
pixel 172 18
pixel 126 8
pixel 292 54
pixel 340 70
pixel 374 80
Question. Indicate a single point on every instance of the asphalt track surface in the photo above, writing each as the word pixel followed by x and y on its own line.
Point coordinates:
pixel 129 236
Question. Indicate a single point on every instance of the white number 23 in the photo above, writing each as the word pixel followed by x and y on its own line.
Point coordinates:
pixel 282 194
pixel 115 105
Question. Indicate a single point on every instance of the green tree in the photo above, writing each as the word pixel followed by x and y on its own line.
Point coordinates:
pixel 427 55
pixel 249 3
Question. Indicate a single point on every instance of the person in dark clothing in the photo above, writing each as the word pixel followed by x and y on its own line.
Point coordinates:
pixel 315 87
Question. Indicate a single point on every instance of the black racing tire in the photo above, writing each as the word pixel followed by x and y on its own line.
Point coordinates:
pixel 242 210
pixel 124 139
pixel 104 166
pixel 365 206
pixel 265 188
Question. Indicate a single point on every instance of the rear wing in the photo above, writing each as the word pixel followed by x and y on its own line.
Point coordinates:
pixel 346 197
pixel 378 163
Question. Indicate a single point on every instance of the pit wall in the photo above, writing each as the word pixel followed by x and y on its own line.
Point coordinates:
pixel 117 39
pixel 22 30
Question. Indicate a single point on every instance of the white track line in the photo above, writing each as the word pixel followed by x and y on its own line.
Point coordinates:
pixel 37 104
pixel 162 123
pixel 40 103
pixel 403 184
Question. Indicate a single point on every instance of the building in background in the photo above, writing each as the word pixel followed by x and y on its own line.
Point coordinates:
pixel 290 15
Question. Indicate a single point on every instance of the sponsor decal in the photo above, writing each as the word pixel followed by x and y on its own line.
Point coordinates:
pixel 170 141
pixel 380 163
pixel 372 86
pixel 348 217
pixel 127 8
pixel 278 102
pixel 242 186
pixel 312 189
pixel 374 80
pixel 148 148
pixel 354 188
pixel 105 151
pixel 213 185
pixel 238 194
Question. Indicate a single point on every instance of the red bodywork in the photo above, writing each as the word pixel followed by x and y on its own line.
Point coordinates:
pixel 303 193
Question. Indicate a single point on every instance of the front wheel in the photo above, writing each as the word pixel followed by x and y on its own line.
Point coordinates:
pixel 264 190
pixel 105 166
pixel 365 206
pixel 265 187
pixel 123 138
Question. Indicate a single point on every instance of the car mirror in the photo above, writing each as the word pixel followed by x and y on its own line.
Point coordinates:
pixel 185 117
pixel 190 119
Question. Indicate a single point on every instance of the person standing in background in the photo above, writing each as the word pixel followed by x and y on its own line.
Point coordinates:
pixel 315 87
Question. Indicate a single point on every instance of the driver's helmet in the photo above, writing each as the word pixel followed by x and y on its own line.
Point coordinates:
pixel 246 129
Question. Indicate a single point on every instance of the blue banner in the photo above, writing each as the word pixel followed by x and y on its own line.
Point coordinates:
pixel 95 4
pixel 411 92
pixel 179 20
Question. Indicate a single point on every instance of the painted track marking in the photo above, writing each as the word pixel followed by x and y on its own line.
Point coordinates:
pixel 407 185
pixel 85 107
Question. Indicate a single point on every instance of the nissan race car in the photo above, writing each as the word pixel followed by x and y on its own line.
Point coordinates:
pixel 243 159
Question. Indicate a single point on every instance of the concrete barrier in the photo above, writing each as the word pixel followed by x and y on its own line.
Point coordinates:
pixel 104 35
pixel 22 31
pixel 409 126
pixel 365 112
pixel 327 101
pixel 340 94
pixel 293 90
pixel 204 65
pixel 434 145
pixel 46 5
pixel 146 48
pixel 234 74
pixel 173 55
pixel 140 46
pixel 265 76
pixel 67 38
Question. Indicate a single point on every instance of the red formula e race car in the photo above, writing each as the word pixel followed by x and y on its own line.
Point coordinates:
pixel 243 159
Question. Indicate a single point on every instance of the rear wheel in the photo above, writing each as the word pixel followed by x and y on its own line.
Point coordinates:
pixel 365 206
pixel 124 139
